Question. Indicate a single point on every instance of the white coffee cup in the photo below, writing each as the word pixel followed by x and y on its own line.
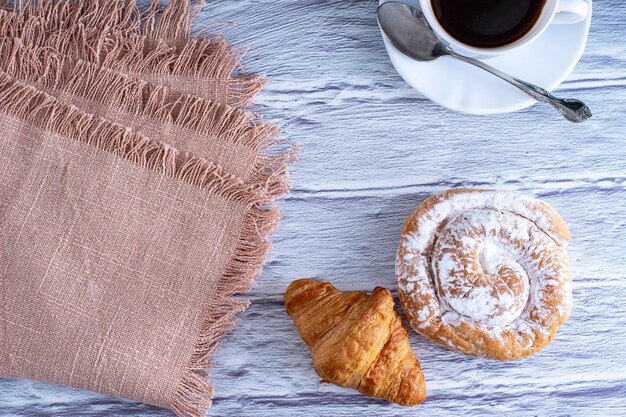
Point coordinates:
pixel 553 12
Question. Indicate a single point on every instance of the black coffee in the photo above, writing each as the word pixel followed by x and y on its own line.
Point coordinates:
pixel 487 23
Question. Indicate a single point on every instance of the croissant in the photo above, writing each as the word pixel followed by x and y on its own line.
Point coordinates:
pixel 357 340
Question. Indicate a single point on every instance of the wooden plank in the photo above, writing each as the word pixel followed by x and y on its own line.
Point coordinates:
pixel 332 87
pixel 269 372
pixel 265 369
pixel 350 237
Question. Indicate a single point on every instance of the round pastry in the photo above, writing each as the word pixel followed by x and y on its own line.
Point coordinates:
pixel 485 272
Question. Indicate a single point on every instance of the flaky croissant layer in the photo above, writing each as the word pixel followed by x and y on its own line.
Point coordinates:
pixel 357 340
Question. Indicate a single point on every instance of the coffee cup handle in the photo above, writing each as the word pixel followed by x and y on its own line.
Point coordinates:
pixel 571 11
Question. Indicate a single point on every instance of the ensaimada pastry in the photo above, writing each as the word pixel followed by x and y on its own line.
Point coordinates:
pixel 485 272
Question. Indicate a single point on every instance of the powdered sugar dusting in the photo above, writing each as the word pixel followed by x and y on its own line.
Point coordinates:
pixel 487 260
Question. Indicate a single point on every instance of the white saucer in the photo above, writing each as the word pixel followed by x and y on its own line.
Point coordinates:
pixel 546 62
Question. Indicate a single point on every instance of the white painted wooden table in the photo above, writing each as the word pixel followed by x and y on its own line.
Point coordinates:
pixel 373 149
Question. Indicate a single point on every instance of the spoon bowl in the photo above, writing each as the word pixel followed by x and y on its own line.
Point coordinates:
pixel 417 41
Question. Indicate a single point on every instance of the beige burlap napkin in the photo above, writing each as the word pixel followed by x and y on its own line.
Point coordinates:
pixel 205 67
pixel 131 208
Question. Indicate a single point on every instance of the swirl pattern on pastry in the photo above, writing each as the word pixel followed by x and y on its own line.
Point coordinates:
pixel 485 272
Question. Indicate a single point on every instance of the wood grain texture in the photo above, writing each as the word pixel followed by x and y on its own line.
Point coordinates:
pixel 373 149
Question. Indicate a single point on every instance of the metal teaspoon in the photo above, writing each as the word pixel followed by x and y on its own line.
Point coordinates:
pixel 408 30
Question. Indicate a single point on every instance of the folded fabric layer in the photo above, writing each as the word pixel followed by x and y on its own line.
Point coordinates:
pixel 224 135
pixel 203 67
pixel 171 23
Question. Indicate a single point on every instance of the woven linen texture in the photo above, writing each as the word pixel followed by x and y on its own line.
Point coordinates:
pixel 136 198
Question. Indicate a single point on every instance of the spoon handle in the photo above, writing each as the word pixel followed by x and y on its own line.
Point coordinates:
pixel 573 110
